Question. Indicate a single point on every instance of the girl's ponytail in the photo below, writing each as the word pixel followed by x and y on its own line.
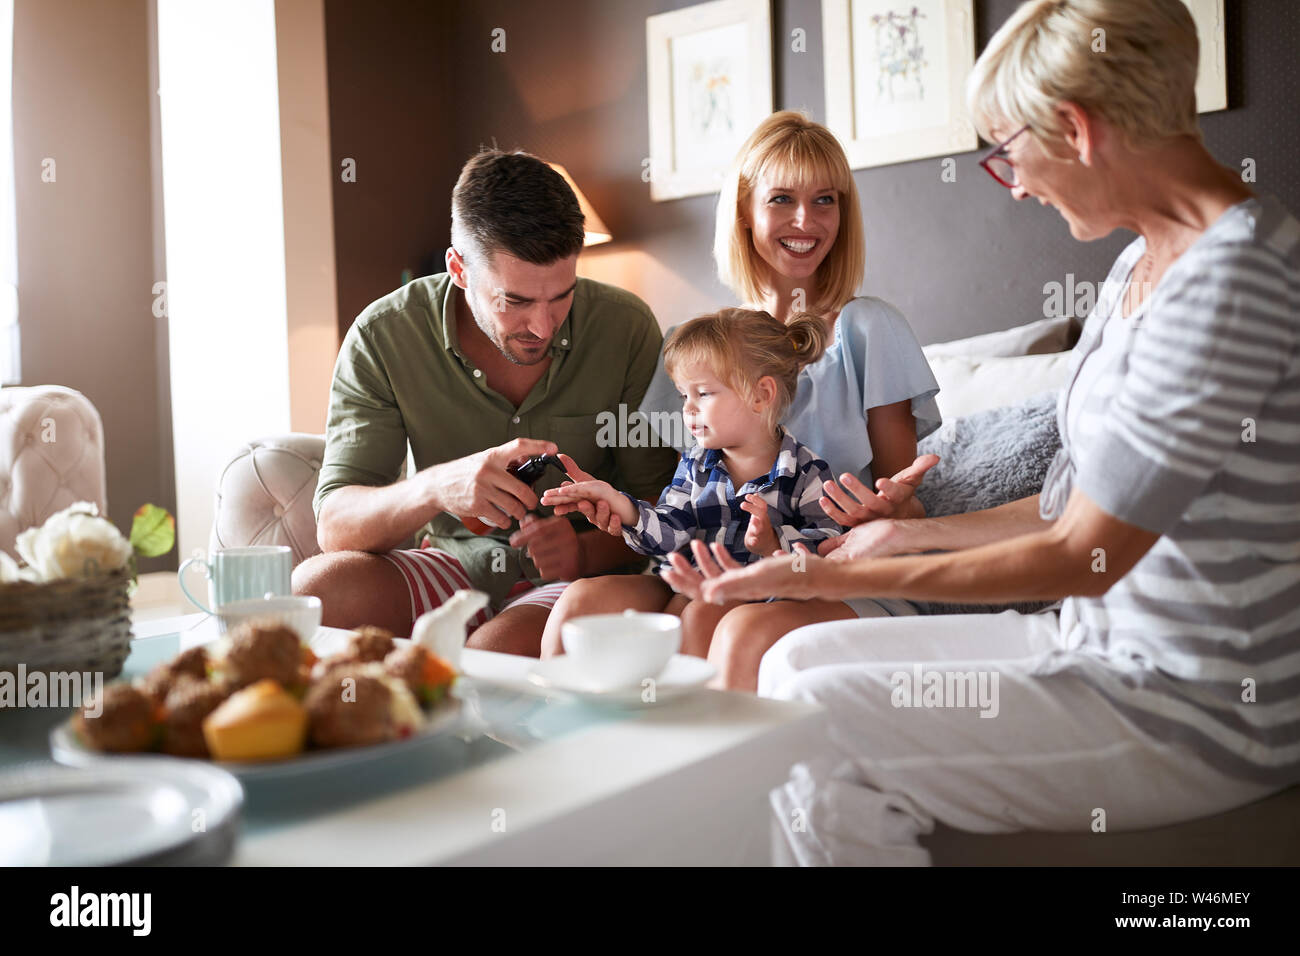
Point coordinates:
pixel 808 337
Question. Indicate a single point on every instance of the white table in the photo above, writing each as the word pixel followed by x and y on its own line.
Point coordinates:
pixel 683 782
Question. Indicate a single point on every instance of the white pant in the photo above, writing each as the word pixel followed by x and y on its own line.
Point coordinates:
pixel 1056 756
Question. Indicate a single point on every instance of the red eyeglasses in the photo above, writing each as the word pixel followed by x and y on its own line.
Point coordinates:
pixel 998 164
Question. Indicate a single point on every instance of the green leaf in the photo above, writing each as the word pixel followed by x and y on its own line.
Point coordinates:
pixel 153 531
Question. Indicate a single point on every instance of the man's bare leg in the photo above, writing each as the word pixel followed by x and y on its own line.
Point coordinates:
pixel 516 630
pixel 356 588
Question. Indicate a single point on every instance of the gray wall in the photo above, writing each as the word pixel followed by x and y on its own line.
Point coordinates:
pixel 85 242
pixel 416 88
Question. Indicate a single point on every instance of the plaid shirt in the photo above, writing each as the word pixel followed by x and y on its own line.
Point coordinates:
pixel 702 503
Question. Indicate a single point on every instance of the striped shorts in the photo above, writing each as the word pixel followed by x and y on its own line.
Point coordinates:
pixel 432 576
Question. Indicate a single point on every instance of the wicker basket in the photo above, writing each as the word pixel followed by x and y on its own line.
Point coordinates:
pixel 76 625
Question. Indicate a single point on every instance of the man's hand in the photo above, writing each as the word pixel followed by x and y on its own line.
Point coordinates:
pixel 855 503
pixel 760 538
pixel 477 486
pixel 552 544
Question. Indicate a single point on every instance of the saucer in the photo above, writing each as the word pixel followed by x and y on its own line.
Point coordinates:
pixel 681 675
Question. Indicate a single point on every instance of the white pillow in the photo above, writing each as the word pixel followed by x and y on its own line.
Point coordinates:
pixel 1045 335
pixel 970 384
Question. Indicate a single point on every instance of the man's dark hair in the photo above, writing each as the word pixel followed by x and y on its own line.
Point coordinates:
pixel 516 203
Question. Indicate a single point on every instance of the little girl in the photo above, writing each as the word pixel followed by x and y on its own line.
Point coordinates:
pixel 736 371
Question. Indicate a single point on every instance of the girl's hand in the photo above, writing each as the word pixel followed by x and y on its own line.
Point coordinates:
pixel 601 512
pixel 781 575
pixel 855 503
pixel 760 539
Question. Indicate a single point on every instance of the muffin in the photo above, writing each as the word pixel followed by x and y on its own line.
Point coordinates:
pixel 261 722
pixel 127 721
pixel 343 714
pixel 188 703
pixel 369 645
pixel 192 663
pixel 263 650
pixel 424 673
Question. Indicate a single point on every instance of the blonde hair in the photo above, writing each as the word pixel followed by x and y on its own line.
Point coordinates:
pixel 799 153
pixel 742 346
pixel 1131 62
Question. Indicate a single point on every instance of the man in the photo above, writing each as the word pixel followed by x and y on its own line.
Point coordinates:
pixel 504 356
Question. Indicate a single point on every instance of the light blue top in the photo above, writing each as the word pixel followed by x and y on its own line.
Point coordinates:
pixel 874 359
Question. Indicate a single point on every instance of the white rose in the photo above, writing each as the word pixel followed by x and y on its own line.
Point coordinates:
pixel 9 570
pixel 74 543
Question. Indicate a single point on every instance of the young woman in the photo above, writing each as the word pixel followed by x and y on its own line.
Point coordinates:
pixel 789 239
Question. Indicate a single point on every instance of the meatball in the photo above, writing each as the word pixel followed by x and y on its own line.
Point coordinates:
pixel 343 714
pixel 125 723
pixel 369 645
pixel 192 663
pixel 264 651
pixel 188 703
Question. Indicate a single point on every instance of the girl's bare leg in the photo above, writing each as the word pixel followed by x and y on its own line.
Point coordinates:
pixel 608 594
pixel 699 619
pixel 747 632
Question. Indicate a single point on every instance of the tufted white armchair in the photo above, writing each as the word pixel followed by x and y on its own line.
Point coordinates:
pixel 264 495
pixel 51 456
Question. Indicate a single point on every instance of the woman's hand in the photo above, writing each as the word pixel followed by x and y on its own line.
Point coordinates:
pixel 760 538
pixel 719 578
pixel 871 539
pixel 687 580
pixel 855 503
pixel 599 512
pixel 782 575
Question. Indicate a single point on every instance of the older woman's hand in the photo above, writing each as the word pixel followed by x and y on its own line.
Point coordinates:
pixel 855 503
pixel 687 580
pixel 782 575
pixel 872 539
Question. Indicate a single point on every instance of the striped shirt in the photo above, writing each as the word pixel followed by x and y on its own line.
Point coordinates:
pixel 702 503
pixel 1184 419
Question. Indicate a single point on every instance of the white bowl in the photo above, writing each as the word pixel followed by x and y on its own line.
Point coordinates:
pixel 301 614
pixel 611 651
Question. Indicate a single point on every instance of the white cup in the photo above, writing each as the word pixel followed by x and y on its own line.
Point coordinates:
pixel 610 651
pixel 235 574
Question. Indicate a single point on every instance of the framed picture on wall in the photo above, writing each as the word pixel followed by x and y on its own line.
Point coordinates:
pixel 1212 74
pixel 710 83
pixel 895 78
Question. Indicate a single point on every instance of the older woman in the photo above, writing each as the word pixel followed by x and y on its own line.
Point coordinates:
pixel 1169 523
pixel 789 239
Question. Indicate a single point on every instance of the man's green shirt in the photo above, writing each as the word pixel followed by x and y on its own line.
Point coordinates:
pixel 402 378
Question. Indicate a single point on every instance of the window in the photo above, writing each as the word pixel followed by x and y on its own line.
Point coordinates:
pixel 9 352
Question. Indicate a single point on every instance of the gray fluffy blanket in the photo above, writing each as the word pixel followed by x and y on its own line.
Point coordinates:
pixel 988 459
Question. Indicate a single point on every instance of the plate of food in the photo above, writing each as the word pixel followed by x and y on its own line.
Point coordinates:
pixel 260 703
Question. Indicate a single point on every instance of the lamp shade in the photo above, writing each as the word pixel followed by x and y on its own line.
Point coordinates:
pixel 596 230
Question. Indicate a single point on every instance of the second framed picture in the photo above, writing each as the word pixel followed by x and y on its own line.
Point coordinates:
pixel 895 78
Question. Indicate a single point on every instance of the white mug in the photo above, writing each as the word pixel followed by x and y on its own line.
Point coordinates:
pixel 235 574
